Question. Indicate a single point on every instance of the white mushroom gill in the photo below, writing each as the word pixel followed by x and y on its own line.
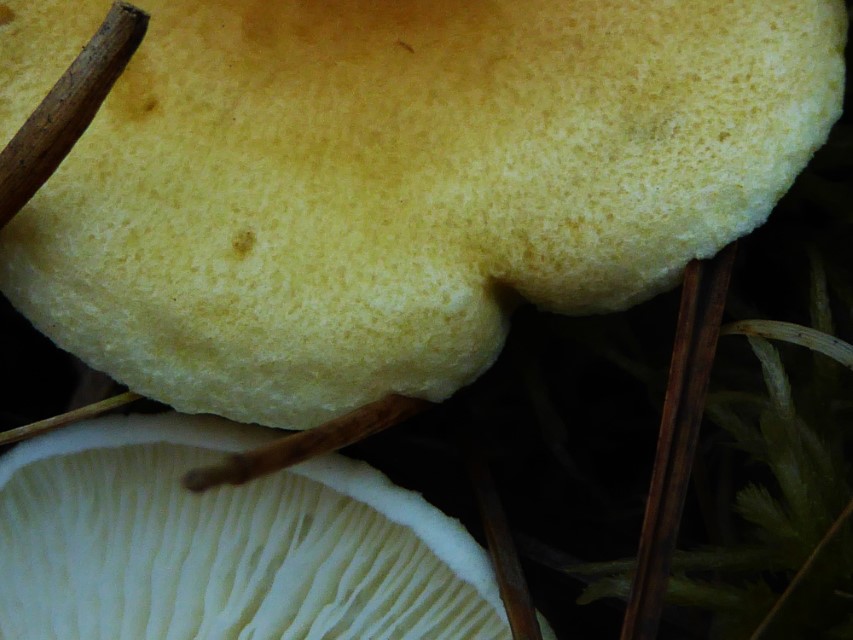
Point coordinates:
pixel 100 541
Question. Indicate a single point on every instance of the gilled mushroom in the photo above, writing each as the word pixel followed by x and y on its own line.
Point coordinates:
pixel 288 210
pixel 99 541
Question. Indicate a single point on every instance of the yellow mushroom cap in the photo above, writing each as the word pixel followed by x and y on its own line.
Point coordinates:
pixel 287 210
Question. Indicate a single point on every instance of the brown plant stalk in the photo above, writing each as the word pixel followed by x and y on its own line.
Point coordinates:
pixel 298 447
pixel 48 135
pixel 703 299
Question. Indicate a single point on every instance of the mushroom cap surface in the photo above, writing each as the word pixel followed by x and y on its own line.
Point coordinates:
pixel 100 541
pixel 286 210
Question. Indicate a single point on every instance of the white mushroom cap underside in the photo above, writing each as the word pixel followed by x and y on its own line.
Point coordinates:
pixel 99 541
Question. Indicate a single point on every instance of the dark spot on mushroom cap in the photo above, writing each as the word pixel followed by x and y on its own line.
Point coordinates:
pixel 406 46
pixel 243 242
pixel 133 97
pixel 150 104
pixel 6 15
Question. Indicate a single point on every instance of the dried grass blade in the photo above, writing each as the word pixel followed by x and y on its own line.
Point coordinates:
pixel 64 419
pixel 830 346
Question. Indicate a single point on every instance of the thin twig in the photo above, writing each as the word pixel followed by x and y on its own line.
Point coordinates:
pixel 702 302
pixel 50 424
pixel 511 580
pixel 831 533
pixel 304 445
pixel 51 131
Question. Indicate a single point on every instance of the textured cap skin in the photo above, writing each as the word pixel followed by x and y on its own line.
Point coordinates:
pixel 287 210
pixel 101 543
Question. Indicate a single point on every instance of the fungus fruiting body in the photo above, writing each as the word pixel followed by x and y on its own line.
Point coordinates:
pixel 288 210
pixel 100 541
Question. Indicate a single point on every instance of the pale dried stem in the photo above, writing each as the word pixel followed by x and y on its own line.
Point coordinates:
pixel 50 424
